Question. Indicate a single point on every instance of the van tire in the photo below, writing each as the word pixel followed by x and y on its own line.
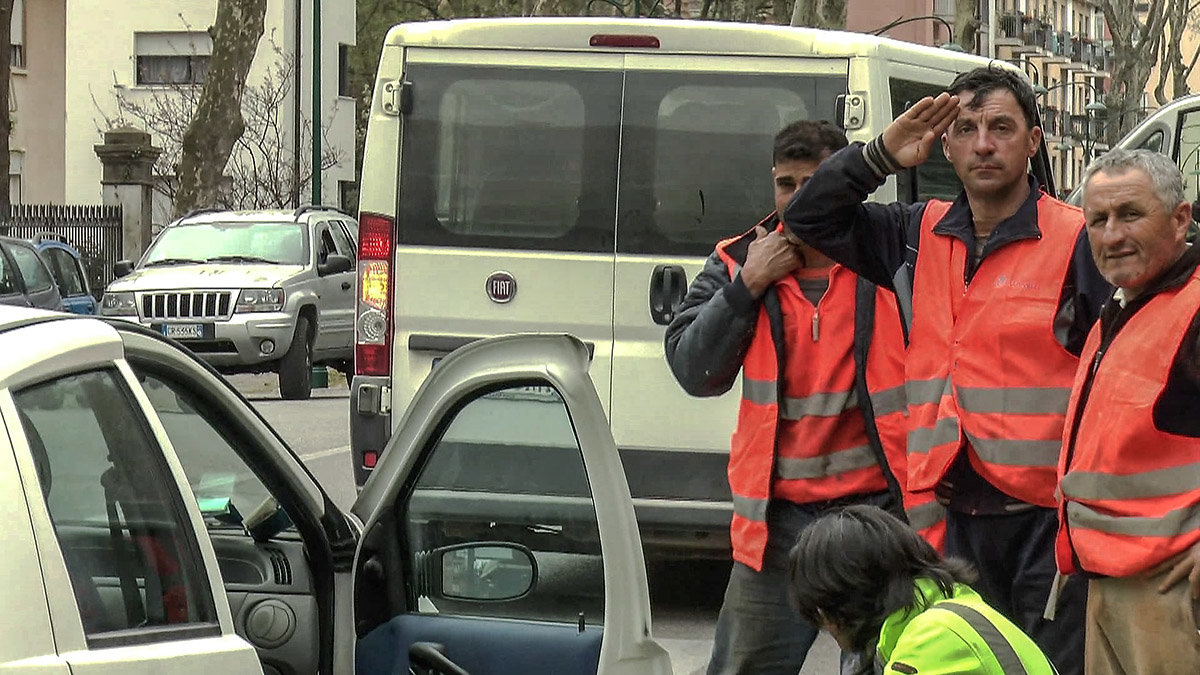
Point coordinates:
pixel 295 368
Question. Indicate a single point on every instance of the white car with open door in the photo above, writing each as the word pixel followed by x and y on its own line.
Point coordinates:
pixel 155 523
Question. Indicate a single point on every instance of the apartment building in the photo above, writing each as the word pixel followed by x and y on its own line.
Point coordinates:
pixel 74 60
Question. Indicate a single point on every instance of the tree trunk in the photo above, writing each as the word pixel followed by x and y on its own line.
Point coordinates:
pixel 1136 48
pixel 1171 68
pixel 781 11
pixel 218 124
pixel 830 14
pixel 6 7
pixel 966 24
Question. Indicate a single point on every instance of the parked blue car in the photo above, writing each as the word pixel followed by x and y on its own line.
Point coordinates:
pixel 66 265
pixel 25 279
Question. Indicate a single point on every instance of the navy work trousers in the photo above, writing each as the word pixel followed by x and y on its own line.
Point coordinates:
pixel 1014 555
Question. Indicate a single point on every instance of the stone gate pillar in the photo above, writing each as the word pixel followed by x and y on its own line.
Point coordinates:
pixel 128 181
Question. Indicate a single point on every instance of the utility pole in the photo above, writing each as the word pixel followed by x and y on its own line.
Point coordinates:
pixel 316 103
pixel 297 106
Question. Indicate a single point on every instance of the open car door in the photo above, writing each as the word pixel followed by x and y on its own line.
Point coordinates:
pixel 470 558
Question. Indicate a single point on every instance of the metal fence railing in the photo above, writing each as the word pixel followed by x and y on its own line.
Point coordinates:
pixel 95 231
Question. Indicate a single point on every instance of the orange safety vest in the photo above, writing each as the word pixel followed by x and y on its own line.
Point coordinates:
pixel 983 363
pixel 1129 491
pixel 803 434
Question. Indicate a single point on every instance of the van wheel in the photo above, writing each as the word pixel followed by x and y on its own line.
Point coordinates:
pixel 295 368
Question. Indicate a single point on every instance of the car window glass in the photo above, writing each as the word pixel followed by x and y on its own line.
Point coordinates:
pixel 501 157
pixel 121 523
pixel 509 468
pixel 8 285
pixel 1189 153
pixel 935 178
pixel 344 246
pixel 702 168
pixel 285 243
pixel 352 235
pixel 33 270
pixel 1154 141
pixel 327 245
pixel 225 488
pixel 66 272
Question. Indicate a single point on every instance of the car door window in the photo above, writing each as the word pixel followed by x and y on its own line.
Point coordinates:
pixel 121 523
pixel 8 284
pixel 509 468
pixel 344 245
pixel 33 270
pixel 1188 153
pixel 328 247
pixel 66 272
pixel 935 178
pixel 352 236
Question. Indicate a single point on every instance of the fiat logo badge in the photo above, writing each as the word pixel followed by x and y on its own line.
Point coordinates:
pixel 501 287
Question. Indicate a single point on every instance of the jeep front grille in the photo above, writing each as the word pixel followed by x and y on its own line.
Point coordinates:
pixel 187 305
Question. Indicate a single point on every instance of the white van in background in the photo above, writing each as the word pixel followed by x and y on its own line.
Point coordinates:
pixel 572 174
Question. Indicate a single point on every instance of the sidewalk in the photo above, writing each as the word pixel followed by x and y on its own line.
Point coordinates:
pixel 266 386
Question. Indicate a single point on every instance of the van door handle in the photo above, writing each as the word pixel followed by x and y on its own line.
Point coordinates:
pixel 346 285
pixel 668 285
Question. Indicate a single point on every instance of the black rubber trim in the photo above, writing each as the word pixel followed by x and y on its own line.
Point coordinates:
pixel 152 635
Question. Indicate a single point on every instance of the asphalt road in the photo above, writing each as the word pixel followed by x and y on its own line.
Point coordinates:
pixel 685 596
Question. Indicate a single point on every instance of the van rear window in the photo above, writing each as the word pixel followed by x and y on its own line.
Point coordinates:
pixel 528 158
pixel 510 158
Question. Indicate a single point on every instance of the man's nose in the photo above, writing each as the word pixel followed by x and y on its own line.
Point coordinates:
pixel 984 143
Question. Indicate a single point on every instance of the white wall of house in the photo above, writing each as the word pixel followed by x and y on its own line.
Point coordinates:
pixel 101 47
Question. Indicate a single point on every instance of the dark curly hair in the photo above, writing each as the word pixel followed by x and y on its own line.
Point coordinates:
pixel 987 79
pixel 858 565
pixel 807 140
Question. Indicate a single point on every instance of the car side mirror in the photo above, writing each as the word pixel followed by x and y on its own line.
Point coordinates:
pixel 481 571
pixel 122 268
pixel 335 264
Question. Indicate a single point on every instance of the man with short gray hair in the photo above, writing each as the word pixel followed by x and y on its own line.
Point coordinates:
pixel 1130 489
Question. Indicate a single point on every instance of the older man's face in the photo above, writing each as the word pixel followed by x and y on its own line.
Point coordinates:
pixel 1133 236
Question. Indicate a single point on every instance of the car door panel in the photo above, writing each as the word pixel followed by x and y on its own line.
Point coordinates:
pixel 474 645
pixel 526 394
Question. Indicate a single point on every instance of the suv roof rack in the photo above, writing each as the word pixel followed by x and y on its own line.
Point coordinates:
pixel 305 208
pixel 48 236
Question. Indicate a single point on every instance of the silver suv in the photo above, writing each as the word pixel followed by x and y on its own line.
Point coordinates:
pixel 249 291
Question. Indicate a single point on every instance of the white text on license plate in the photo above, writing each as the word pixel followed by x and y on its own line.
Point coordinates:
pixel 183 331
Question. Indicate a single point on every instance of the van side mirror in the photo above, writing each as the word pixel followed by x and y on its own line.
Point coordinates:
pixel 122 268
pixel 335 264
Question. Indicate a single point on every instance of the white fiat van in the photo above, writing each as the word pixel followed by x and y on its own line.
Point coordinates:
pixel 571 174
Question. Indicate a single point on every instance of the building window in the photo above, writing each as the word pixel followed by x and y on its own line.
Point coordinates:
pixel 344 70
pixel 17 36
pixel 172 58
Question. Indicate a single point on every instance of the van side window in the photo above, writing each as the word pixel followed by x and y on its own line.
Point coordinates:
pixel 1154 141
pixel 700 170
pixel 509 158
pixel 1189 154
pixel 935 179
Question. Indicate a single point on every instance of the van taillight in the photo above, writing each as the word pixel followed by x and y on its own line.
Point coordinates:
pixel 373 311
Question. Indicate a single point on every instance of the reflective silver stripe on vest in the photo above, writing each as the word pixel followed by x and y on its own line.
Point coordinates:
pixel 850 459
pixel 921 440
pixel 927 391
pixel 1144 485
pixel 764 392
pixel 1014 400
pixel 904 292
pixel 1009 452
pixel 1171 524
pixel 1002 649
pixel 818 405
pixel 761 392
pixel 889 401
pixel 925 516
pixel 750 508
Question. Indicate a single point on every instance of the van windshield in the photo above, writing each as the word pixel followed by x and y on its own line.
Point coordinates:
pixel 528 158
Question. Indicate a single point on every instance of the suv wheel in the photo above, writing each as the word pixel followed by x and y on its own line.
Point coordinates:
pixel 295 369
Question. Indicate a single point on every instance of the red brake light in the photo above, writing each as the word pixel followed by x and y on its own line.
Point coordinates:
pixel 373 313
pixel 374 237
pixel 615 40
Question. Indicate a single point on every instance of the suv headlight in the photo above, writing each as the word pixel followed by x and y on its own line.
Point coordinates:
pixel 260 300
pixel 118 304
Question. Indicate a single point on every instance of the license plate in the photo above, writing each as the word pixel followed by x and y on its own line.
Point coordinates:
pixel 183 331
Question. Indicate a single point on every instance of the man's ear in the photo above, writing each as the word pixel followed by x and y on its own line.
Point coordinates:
pixel 1035 135
pixel 946 147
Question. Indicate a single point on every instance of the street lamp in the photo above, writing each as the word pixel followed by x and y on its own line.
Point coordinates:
pixel 950 44
pixel 1092 110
